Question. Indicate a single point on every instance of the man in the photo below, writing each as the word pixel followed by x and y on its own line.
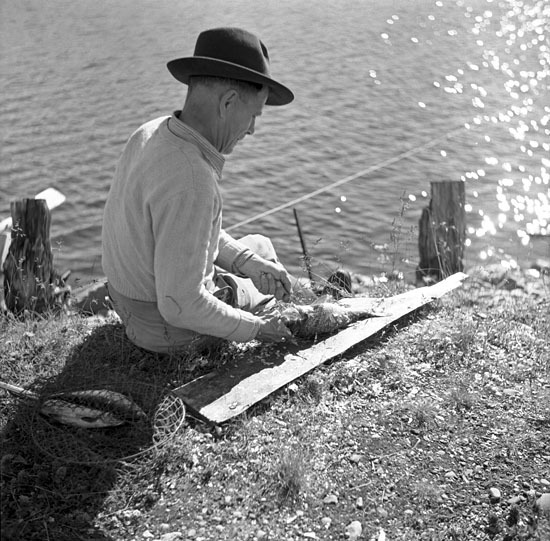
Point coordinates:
pixel 167 259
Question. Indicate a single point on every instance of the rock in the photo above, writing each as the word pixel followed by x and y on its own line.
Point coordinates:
pixel 330 499
pixel 310 535
pixel 355 458
pixel 191 533
pixel 514 500
pixel 171 536
pixel 494 494
pixel 382 512
pixel 326 522
pixel 147 534
pixel 450 475
pixel 354 530
pixel 545 482
pixel 227 500
pixel 543 504
pixel 409 512
pixel 359 503
pixel 260 534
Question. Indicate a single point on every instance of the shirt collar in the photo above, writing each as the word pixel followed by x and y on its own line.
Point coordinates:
pixel 183 131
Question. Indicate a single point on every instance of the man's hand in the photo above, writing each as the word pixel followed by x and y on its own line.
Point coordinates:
pixel 272 329
pixel 268 277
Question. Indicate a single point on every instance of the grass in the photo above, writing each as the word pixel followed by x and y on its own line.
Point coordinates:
pixel 407 433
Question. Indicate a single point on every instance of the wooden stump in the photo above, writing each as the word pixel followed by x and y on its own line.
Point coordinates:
pixel 442 232
pixel 29 277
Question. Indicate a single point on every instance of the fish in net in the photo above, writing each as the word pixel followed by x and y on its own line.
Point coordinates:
pixel 109 423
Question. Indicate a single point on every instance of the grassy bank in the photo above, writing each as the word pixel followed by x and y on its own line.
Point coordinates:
pixel 438 428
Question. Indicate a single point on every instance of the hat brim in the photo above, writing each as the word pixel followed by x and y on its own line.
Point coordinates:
pixel 184 68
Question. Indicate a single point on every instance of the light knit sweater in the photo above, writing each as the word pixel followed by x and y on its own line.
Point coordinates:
pixel 162 230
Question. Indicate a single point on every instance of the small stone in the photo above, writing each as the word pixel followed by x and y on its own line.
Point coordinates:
pixel 326 522
pixel 147 534
pixel 494 494
pixel 171 536
pixel 450 475
pixel 260 534
pixel 355 458
pixel 359 503
pixel 192 532
pixel 354 530
pixel 543 503
pixel 382 512
pixel 545 482
pixel 330 499
pixel 227 500
pixel 409 512
pixel 514 499
pixel 310 535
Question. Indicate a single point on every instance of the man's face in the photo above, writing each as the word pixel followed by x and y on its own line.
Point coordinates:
pixel 241 119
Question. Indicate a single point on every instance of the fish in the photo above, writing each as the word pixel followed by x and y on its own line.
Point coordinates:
pixel 95 408
pixel 310 320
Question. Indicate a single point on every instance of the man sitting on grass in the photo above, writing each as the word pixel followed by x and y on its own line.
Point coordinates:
pixel 173 273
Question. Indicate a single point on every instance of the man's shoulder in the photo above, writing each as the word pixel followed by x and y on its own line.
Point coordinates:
pixel 146 130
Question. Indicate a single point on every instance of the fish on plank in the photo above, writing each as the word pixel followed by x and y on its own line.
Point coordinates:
pixel 95 408
pixel 310 320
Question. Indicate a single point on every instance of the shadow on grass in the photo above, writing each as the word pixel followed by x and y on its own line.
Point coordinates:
pixel 60 482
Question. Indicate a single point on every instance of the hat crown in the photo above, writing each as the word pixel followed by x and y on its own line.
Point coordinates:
pixel 233 45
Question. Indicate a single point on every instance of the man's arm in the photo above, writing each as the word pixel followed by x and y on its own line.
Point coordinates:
pixel 182 227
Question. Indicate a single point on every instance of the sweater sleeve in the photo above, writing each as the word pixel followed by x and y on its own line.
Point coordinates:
pixel 183 229
pixel 229 250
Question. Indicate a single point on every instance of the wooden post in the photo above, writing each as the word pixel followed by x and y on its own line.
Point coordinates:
pixel 29 277
pixel 442 232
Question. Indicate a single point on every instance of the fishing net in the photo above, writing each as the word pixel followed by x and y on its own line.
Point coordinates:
pixel 147 419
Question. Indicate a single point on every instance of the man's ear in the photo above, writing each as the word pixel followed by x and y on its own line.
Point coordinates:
pixel 227 100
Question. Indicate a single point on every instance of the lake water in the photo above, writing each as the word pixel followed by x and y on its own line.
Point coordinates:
pixel 407 92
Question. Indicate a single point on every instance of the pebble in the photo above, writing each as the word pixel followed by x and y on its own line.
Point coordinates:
pixel 545 482
pixel 494 494
pixel 359 503
pixel 326 522
pixel 514 499
pixel 355 458
pixel 192 532
pixel 171 536
pixel 450 474
pixel 354 530
pixel 227 500
pixel 543 503
pixel 382 512
pixel 260 534
pixel 409 512
pixel 330 498
pixel 147 534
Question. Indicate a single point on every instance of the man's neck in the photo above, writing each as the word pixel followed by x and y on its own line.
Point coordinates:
pixel 199 123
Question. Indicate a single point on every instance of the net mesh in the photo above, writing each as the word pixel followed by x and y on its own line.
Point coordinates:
pixel 148 417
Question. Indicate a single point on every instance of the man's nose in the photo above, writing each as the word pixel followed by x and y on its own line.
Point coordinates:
pixel 252 127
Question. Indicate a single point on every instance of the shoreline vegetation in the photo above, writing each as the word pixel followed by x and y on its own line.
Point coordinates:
pixel 437 428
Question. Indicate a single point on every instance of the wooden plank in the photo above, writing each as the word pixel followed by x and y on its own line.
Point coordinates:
pixel 221 395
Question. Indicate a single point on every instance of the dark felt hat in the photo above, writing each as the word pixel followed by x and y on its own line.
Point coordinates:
pixel 231 53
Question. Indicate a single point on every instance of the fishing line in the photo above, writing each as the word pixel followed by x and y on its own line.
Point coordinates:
pixel 347 179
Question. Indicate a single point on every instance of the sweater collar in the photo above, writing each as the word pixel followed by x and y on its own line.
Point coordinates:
pixel 183 131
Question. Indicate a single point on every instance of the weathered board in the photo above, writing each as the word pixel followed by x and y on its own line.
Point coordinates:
pixel 223 394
